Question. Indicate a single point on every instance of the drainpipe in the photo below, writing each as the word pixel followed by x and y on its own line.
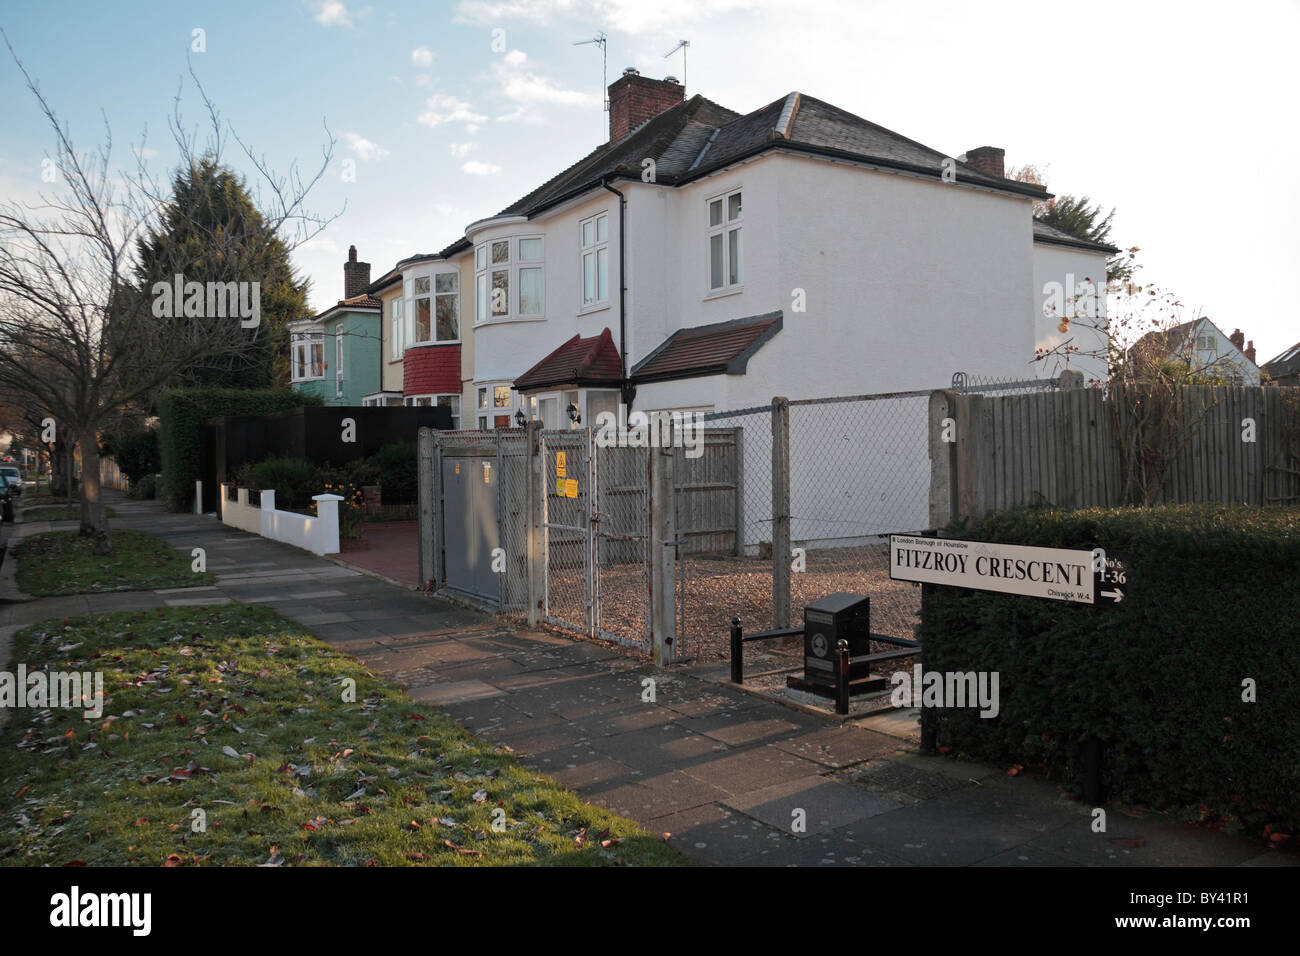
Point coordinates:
pixel 626 388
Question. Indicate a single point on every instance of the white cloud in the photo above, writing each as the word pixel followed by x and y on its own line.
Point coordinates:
pixel 525 87
pixel 144 152
pixel 444 108
pixel 332 13
pixel 422 56
pixel 423 79
pixel 364 148
pixel 463 149
pixel 624 16
pixel 475 168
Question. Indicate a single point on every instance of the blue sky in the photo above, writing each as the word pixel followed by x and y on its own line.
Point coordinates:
pixel 1171 112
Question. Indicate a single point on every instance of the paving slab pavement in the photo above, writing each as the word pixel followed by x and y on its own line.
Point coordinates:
pixel 736 779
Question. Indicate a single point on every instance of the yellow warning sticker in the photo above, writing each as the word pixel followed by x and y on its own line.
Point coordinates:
pixel 559 464
pixel 487 473
pixel 571 488
pixel 458 468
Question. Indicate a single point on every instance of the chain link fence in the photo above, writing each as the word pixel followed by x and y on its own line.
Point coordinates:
pixel 774 507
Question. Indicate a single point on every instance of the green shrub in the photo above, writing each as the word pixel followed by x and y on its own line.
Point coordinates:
pixel 181 414
pixel 136 454
pixel 295 481
pixel 398 472
pixel 1212 598
pixel 145 488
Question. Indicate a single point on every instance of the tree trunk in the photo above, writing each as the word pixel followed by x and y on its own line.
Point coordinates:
pixel 93 520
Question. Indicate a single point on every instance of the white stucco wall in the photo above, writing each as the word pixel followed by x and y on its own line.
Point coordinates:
pixel 1061 267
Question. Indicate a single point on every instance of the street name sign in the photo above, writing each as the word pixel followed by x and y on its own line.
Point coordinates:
pixel 1059 574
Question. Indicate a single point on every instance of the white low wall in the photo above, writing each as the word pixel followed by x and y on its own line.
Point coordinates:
pixel 319 535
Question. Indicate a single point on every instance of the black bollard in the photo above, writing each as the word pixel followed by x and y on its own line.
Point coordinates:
pixel 842 678
pixel 737 652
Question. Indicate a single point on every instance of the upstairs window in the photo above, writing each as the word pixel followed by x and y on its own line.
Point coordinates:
pixel 308 349
pixel 508 279
pixel 434 309
pixel 446 287
pixel 726 261
pixel 338 363
pixel 395 344
pixel 595 259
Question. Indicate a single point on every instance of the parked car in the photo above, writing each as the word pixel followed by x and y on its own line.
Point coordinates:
pixel 6 501
pixel 13 477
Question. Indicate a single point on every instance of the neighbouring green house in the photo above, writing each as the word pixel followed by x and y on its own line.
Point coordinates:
pixel 336 354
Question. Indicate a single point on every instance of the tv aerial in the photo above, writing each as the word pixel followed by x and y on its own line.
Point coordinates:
pixel 601 40
pixel 681 45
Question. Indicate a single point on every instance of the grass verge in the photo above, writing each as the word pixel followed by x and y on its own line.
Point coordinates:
pixel 60 513
pixel 63 562
pixel 237 719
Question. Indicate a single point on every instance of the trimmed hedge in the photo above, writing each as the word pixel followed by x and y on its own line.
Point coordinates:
pixel 181 414
pixel 1212 598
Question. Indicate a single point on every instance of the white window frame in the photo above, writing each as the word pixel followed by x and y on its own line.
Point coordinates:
pixel 396 345
pixel 725 228
pixel 484 269
pixel 412 332
pixel 485 415
pixel 311 341
pixel 590 251
pixel 338 362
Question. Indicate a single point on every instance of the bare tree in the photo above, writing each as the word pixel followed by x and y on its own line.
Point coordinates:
pixel 79 337
pixel 1156 377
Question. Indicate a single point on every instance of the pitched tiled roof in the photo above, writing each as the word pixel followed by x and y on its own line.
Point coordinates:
pixel 363 301
pixel 579 361
pixel 1287 363
pixel 698 136
pixel 1059 237
pixel 672 139
pixel 708 349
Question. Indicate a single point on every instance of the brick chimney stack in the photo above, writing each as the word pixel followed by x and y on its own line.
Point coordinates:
pixel 356 275
pixel 1249 351
pixel 1238 338
pixel 989 160
pixel 633 99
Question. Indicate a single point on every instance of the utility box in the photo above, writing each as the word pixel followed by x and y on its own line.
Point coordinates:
pixel 825 621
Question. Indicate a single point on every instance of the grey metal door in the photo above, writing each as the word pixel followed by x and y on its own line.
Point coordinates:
pixel 470 527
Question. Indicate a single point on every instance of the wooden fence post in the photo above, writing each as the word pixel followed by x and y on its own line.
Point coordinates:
pixel 780 512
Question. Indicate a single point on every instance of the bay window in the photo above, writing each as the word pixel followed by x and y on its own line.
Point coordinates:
pixel 434 309
pixel 508 279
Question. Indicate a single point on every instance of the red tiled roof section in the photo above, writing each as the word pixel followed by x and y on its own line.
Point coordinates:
pixel 708 349
pixel 590 361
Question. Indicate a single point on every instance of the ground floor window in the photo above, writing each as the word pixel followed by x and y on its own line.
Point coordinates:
pixel 496 405
pixel 382 399
pixel 442 401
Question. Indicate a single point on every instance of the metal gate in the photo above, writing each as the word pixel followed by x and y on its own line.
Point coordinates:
pixel 595 537
pixel 567 477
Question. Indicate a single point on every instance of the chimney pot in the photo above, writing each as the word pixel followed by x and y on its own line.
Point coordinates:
pixel 989 160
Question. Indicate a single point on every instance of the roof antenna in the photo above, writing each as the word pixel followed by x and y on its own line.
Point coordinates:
pixel 599 39
pixel 681 45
